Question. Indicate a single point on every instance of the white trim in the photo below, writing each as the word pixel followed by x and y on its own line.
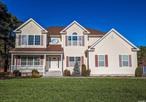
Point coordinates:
pixel 29 20
pixel 74 22
pixel 37 52
pixel 99 40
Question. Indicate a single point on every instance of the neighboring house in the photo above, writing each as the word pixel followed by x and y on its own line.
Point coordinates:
pixel 55 49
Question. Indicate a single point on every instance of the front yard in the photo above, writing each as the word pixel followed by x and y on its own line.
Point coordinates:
pixel 73 90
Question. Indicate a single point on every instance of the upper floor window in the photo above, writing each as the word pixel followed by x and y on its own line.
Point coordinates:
pixel 37 40
pixel 74 40
pixel 125 60
pixel 30 39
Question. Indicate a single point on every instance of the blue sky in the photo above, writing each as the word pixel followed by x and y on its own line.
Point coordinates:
pixel 126 16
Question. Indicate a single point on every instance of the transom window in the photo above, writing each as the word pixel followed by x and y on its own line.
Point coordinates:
pixel 74 60
pixel 101 60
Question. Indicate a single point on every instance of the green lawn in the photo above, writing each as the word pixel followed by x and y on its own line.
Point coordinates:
pixel 73 90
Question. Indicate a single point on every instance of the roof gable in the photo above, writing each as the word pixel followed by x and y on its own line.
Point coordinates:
pixel 28 21
pixel 74 22
pixel 116 32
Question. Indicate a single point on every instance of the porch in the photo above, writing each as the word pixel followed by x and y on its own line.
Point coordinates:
pixel 46 64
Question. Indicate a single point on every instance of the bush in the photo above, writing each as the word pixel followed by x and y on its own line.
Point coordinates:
pixel 35 73
pixel 138 72
pixel 17 73
pixel 85 72
pixel 66 72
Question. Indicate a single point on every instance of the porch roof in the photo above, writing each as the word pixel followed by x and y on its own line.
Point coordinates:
pixel 49 48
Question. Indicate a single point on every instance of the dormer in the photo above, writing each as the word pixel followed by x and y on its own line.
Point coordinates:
pixel 31 35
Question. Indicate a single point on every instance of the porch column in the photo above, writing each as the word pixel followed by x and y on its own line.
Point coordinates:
pixel 62 63
pixel 11 62
pixel 44 64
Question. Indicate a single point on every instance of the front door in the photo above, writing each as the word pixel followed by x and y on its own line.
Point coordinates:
pixel 54 62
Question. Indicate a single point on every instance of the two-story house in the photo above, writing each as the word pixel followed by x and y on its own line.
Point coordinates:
pixel 55 49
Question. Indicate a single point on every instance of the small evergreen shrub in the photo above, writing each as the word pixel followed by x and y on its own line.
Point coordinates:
pixel 66 72
pixel 138 72
pixel 35 73
pixel 16 73
pixel 85 72
pixel 76 70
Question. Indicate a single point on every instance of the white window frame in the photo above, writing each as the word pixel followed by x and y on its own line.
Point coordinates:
pixel 78 41
pixel 102 61
pixel 33 61
pixel 27 42
pixel 122 61
pixel 75 59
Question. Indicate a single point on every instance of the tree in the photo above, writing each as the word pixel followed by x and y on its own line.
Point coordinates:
pixel 142 56
pixel 8 23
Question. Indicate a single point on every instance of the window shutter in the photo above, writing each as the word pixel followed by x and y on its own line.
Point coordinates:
pixel 106 60
pixel 120 60
pixel 66 61
pixel 19 40
pixel 66 41
pixel 83 42
pixel 96 60
pixel 130 62
pixel 42 40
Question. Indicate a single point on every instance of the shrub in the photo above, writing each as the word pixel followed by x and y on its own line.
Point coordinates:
pixel 138 72
pixel 76 70
pixel 66 72
pixel 3 74
pixel 17 73
pixel 88 72
pixel 35 73
pixel 85 72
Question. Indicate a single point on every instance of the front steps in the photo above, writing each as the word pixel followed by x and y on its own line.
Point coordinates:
pixel 53 73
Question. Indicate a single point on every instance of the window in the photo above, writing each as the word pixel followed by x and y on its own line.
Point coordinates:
pixel 30 39
pixel 30 60
pixel 24 39
pixel 101 60
pixel 36 61
pixel 125 60
pixel 37 40
pixel 74 60
pixel 23 61
pixel 75 40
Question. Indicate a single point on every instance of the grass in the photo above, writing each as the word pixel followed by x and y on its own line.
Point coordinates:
pixel 73 90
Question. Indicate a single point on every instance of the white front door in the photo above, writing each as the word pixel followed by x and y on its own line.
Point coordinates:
pixel 54 62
